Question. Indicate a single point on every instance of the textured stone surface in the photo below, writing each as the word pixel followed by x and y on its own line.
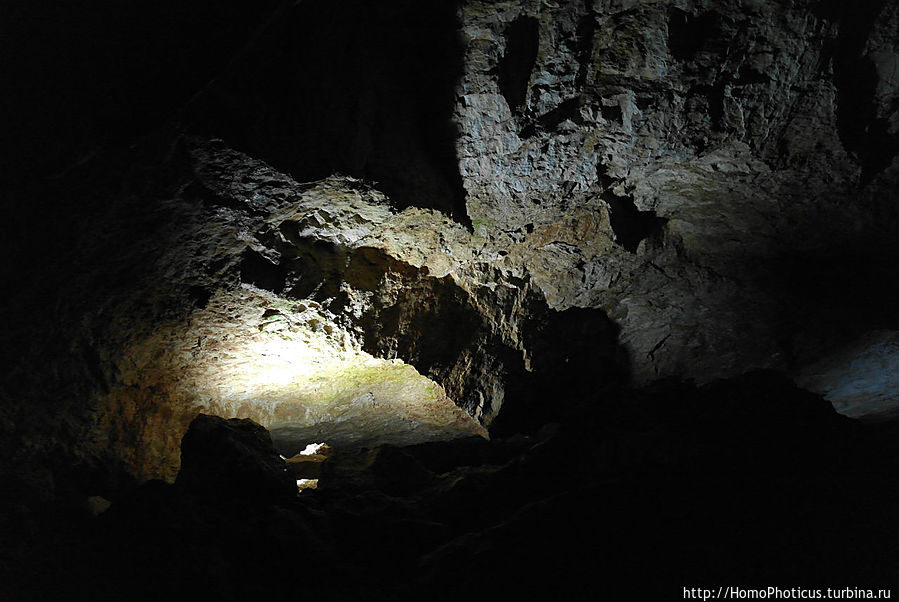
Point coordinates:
pixel 260 308
pixel 545 201
pixel 712 141
pixel 391 226
pixel 671 164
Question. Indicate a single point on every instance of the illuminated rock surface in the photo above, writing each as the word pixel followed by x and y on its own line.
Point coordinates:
pixel 703 173
pixel 396 226
pixel 541 196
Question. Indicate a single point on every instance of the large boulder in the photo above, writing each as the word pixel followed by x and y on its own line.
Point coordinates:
pixel 232 458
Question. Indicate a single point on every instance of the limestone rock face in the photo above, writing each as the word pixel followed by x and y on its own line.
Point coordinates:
pixel 393 226
pixel 433 222
pixel 675 165
pixel 626 99
pixel 719 146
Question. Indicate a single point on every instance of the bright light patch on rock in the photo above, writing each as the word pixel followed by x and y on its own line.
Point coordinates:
pixel 289 366
pixel 308 380
pixel 307 484
pixel 312 449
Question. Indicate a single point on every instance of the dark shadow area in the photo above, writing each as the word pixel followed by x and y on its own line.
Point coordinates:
pixel 200 296
pixel 362 89
pixel 78 77
pixel 831 299
pixel 738 482
pixel 259 271
pixel 629 223
pixel 860 129
pixel 710 99
pixel 514 70
pixel 569 109
pixel 427 321
pixel 688 34
pixel 611 113
pixel 586 28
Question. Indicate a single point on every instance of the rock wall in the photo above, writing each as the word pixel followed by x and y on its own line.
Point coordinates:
pixel 529 202
pixel 721 146
pixel 672 164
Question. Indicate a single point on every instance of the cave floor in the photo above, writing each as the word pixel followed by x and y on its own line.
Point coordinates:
pixel 664 490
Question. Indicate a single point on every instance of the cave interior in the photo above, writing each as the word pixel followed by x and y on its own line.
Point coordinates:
pixel 456 299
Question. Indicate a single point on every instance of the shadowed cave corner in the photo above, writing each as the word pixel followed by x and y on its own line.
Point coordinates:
pixel 380 108
pixel 575 365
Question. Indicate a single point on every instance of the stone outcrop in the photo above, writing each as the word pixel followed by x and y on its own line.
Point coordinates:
pixel 515 207
pixel 714 144
pixel 672 164
pixel 232 459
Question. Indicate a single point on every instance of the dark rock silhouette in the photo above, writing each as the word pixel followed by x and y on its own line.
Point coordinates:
pixel 232 458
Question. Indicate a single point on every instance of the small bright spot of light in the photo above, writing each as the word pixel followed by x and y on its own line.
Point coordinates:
pixel 311 449
pixel 307 484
